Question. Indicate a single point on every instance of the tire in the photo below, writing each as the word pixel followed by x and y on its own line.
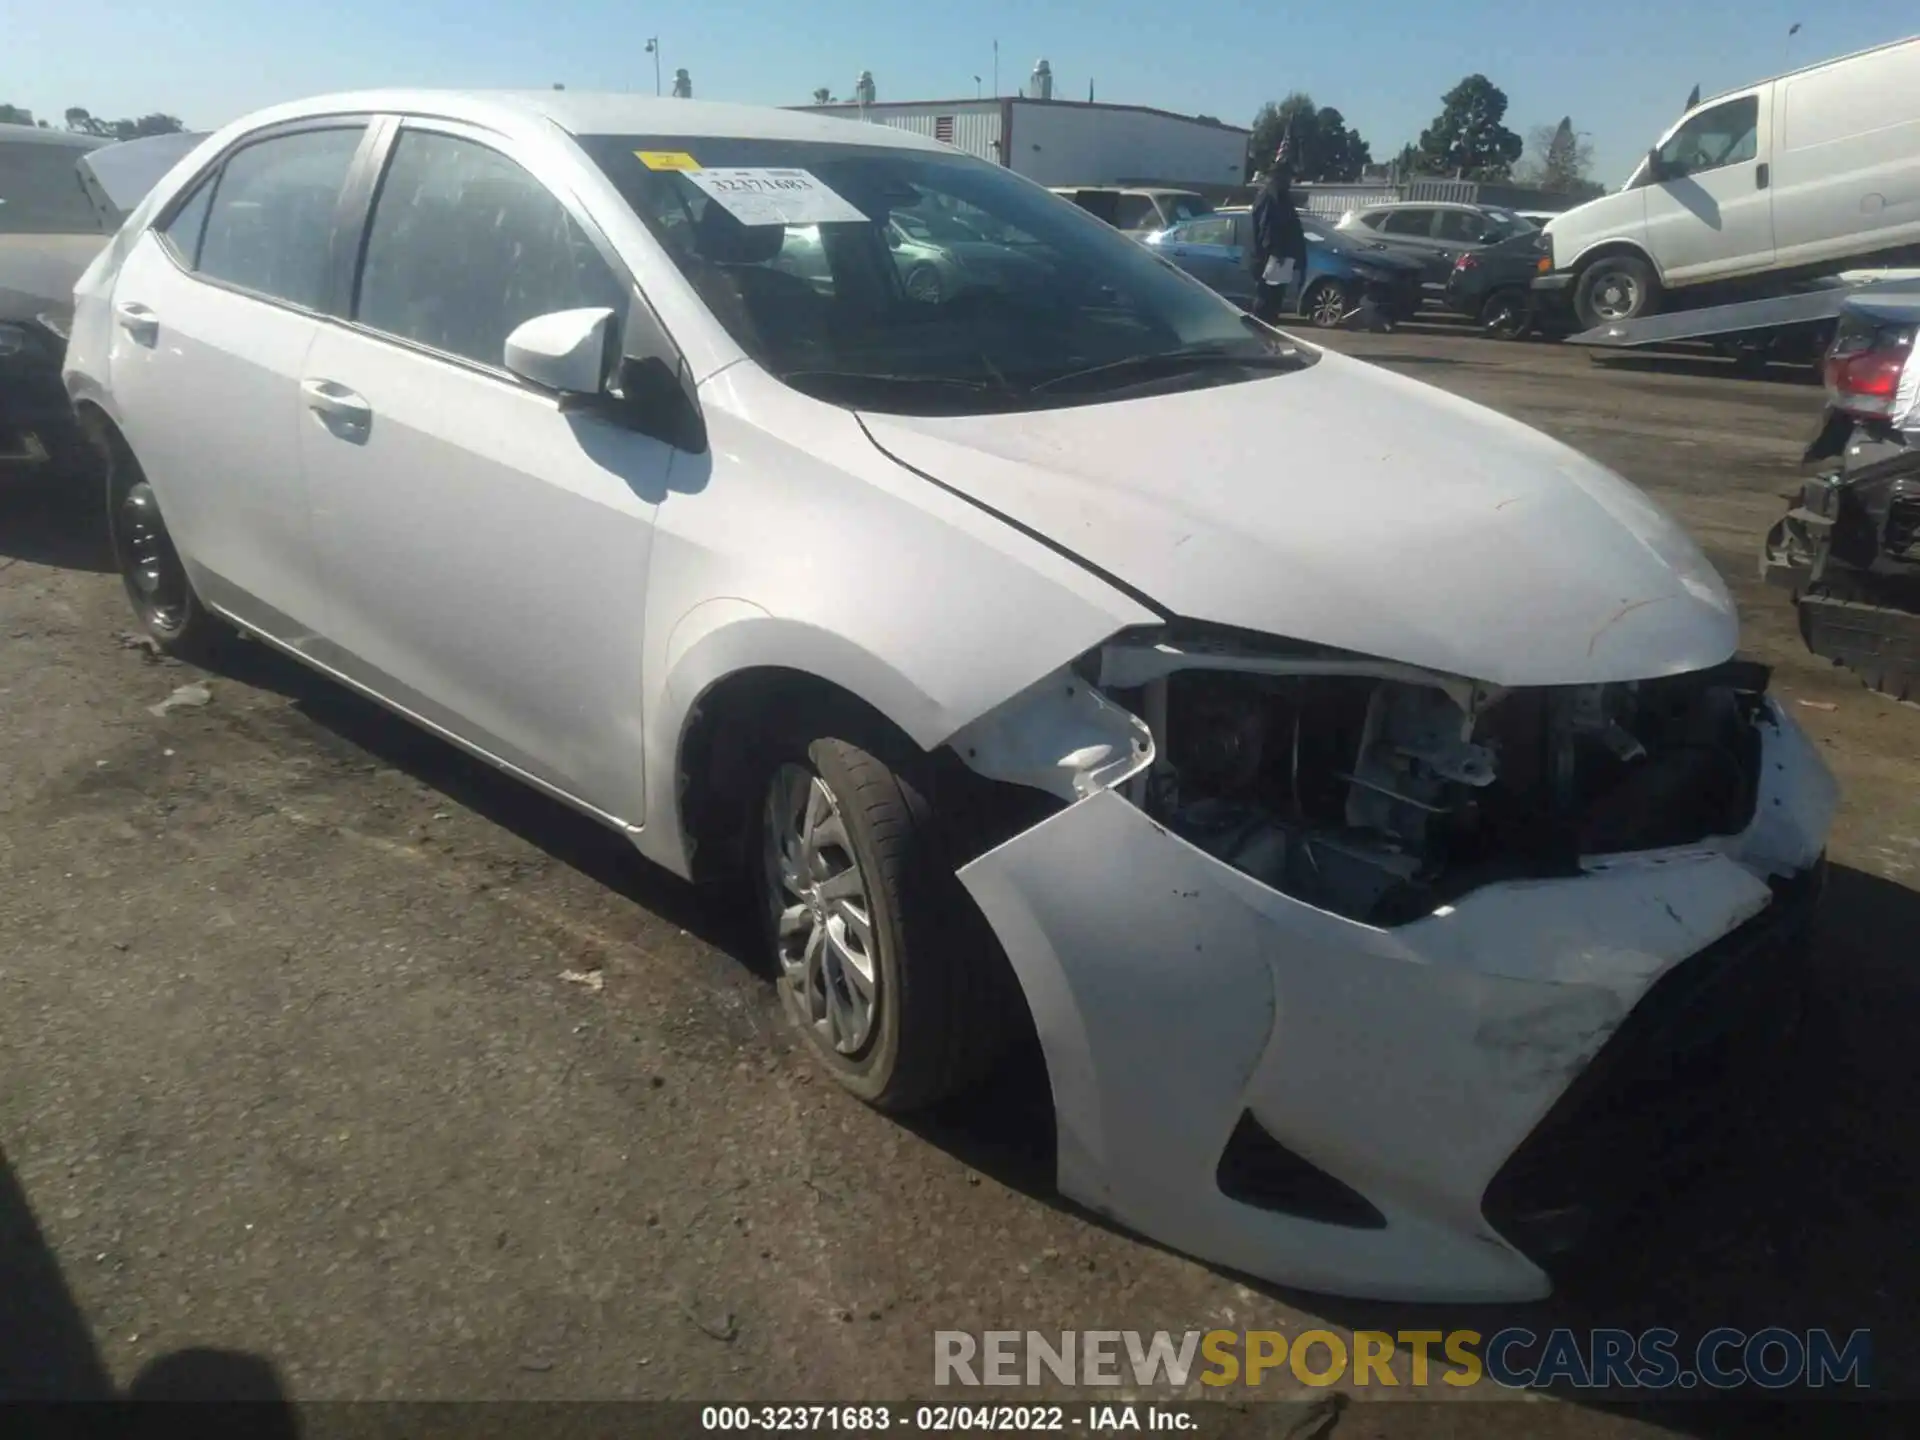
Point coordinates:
pixel 936 1010
pixel 1616 288
pixel 1325 306
pixel 156 580
pixel 923 284
pixel 1506 315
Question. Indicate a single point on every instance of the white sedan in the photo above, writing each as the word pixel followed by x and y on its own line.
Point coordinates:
pixel 1354 788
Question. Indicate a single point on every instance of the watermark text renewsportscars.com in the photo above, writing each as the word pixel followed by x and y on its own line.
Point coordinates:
pixel 1774 1358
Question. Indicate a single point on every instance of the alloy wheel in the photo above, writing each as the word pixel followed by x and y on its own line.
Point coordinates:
pixel 1328 306
pixel 822 920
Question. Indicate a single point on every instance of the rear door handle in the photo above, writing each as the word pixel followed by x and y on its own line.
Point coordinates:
pixel 136 319
pixel 1761 176
pixel 334 401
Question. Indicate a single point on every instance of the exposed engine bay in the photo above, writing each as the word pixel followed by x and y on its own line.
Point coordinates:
pixel 1380 793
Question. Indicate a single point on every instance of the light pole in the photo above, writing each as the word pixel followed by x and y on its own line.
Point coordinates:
pixel 996 69
pixel 976 87
pixel 653 49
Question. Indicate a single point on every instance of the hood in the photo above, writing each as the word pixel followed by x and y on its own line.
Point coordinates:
pixel 1346 506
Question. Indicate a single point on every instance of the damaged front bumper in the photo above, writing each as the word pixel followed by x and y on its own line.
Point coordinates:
pixel 1366 1103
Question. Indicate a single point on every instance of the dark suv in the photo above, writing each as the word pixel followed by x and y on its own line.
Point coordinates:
pixel 1493 285
pixel 1434 232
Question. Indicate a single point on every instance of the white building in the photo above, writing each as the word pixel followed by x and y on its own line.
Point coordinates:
pixel 1071 142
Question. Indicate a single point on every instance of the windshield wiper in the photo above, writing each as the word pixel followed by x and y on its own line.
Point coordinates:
pixel 1172 362
pixel 870 377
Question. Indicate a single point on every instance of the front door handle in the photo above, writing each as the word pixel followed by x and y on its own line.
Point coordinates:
pixel 1761 176
pixel 333 401
pixel 137 320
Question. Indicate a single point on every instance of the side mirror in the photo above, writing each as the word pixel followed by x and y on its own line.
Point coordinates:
pixel 1656 172
pixel 565 351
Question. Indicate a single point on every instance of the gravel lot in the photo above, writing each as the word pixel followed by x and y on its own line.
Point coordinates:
pixel 320 1043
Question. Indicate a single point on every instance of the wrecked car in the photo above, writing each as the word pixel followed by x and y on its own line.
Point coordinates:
pixel 1372 829
pixel 61 196
pixel 1849 544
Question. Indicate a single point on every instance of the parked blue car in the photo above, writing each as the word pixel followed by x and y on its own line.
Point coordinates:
pixel 1340 269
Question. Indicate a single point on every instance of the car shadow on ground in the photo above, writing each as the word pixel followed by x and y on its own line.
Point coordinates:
pixel 47 1352
pixel 557 831
pixel 53 520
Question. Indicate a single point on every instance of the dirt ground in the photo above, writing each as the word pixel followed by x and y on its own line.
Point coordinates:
pixel 322 1044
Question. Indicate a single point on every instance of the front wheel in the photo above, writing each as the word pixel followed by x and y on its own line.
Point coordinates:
pixel 923 284
pixel 883 965
pixel 1616 288
pixel 1325 305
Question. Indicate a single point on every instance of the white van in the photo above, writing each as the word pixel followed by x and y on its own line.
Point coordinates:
pixel 1808 173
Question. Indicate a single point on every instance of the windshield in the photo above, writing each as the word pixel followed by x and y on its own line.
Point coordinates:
pixel 920 281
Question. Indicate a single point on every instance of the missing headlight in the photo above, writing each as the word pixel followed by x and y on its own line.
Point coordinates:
pixel 1380 793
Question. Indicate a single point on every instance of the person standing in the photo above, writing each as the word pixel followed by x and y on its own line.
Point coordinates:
pixel 1278 258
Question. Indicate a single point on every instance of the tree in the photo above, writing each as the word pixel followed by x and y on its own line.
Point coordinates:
pixel 823 96
pixel 1561 161
pixel 14 115
pixel 89 124
pixel 1323 147
pixel 1467 139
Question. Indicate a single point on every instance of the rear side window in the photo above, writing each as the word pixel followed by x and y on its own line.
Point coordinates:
pixel 269 228
pixel 1406 222
pixel 40 190
pixel 189 222
pixel 465 246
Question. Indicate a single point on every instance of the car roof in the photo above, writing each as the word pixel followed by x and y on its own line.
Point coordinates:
pixel 583 112
pixel 36 135
pixel 1429 205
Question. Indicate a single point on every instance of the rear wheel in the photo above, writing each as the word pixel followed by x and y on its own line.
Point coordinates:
pixel 150 567
pixel 884 965
pixel 1325 305
pixel 1616 288
pixel 1506 315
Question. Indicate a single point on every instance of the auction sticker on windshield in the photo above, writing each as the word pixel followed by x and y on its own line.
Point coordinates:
pixel 667 160
pixel 775 197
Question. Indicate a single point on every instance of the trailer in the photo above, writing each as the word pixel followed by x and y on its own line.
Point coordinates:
pixel 1796 325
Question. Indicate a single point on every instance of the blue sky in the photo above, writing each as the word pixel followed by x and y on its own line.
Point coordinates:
pixel 1621 69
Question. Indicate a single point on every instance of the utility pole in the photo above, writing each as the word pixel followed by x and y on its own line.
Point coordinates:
pixel 996 69
pixel 653 49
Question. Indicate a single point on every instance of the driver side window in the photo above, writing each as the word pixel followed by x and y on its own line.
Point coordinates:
pixel 464 246
pixel 1727 134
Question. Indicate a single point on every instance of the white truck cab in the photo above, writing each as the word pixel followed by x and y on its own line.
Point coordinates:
pixel 1806 173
